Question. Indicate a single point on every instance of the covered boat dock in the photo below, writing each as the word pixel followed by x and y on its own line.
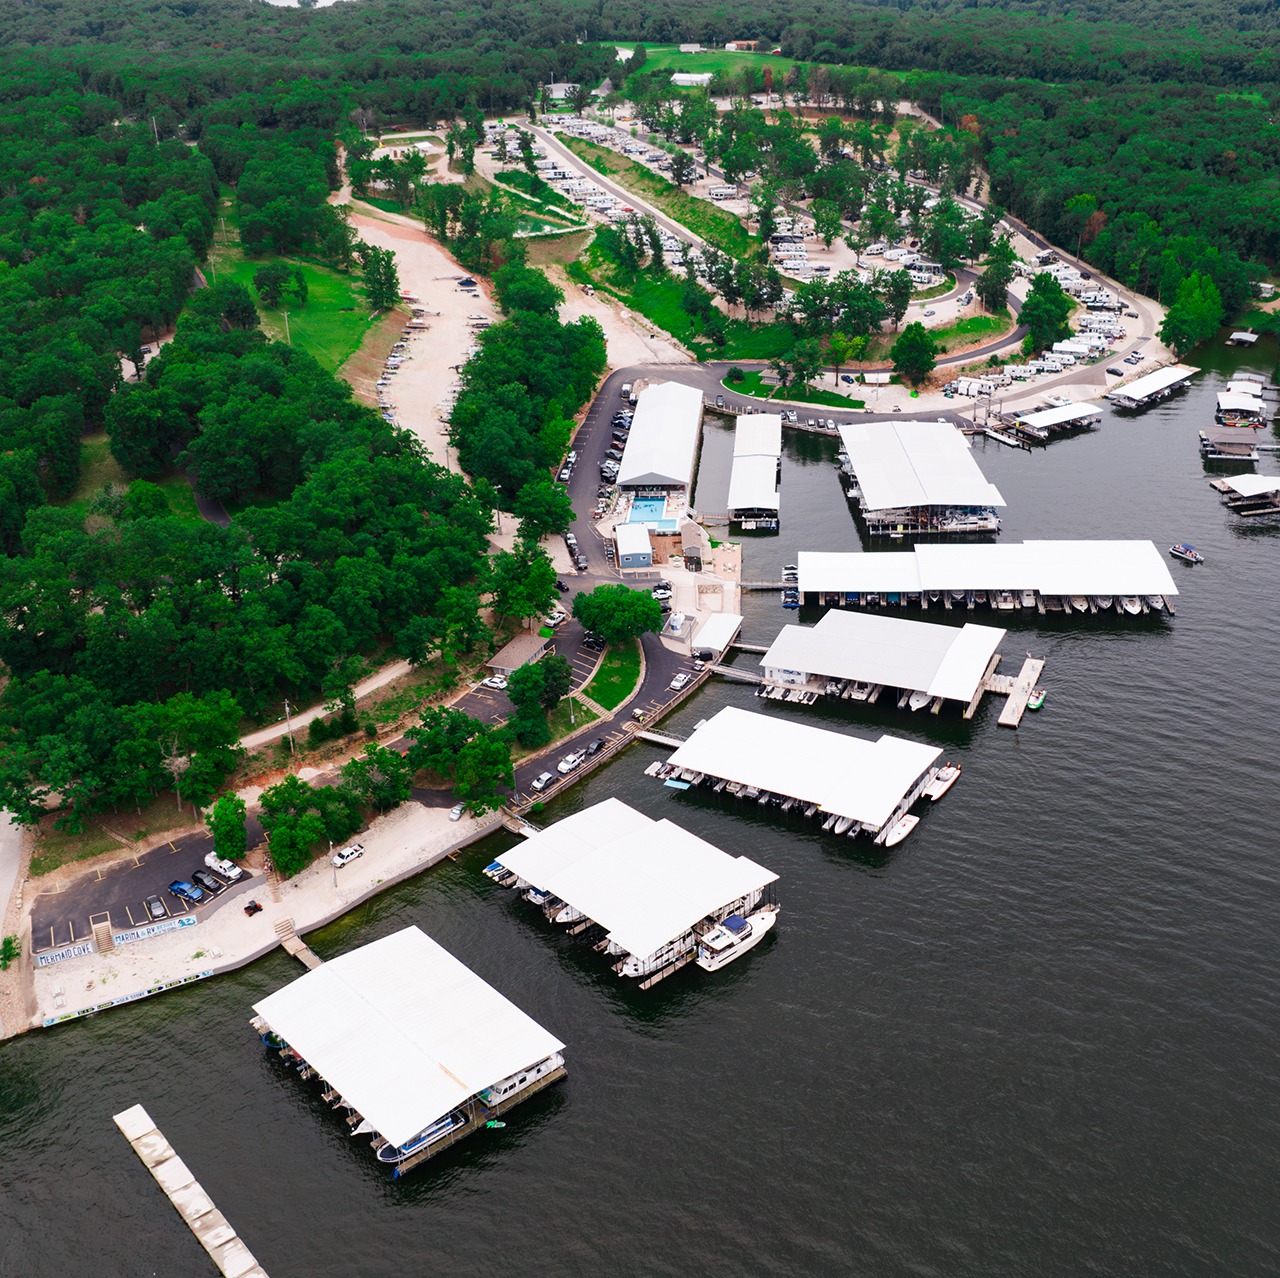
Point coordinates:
pixel 852 785
pixel 856 656
pixel 409 1041
pixel 912 478
pixel 1080 576
pixel 1152 386
pixel 1249 495
pixel 1044 423
pixel 643 887
pixel 754 482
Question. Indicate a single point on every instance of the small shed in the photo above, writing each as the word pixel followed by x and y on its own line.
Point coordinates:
pixel 518 652
pixel 634 548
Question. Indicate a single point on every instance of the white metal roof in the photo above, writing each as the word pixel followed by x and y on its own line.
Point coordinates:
pixel 944 661
pixel 632 539
pixel 1050 567
pixel 718 631
pixel 1247 338
pixel 1047 418
pixel 902 464
pixel 1239 402
pixel 851 776
pixel 753 483
pixel 647 883
pixel 758 433
pixel 1253 485
pixel 1154 383
pixel 662 447
pixel 404 1031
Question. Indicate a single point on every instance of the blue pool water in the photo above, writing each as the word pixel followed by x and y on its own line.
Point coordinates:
pixel 650 510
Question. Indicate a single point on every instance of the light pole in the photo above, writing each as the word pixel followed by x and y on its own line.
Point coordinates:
pixel 287 338
pixel 334 868
pixel 293 750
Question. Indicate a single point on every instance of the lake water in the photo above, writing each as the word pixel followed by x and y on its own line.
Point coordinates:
pixel 1039 1038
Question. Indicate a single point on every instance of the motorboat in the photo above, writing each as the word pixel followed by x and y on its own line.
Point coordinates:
pixel 830 821
pixel 1186 552
pixel 1028 598
pixel 1131 604
pixel 1104 602
pixel 1079 603
pixel 1036 699
pixel 918 700
pixel 1155 602
pixel 390 1153
pixel 537 896
pixel 842 825
pixel 900 829
pixel 1004 600
pixel 733 937
pixel 943 780
pixel 979 596
pixel 567 914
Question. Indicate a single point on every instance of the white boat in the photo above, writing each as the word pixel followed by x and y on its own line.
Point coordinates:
pixel 537 896
pixel 842 825
pixel 1079 603
pixel 732 938
pixel 829 822
pixel 1004 600
pixel 1104 601
pixel 918 700
pixel 1028 598
pixel 1155 602
pixel 567 915
pixel 389 1153
pixel 1131 604
pixel 943 780
pixel 900 829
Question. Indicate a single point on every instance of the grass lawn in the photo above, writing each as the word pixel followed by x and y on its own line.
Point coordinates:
pixel 98 469
pixel 661 57
pixel 753 384
pixel 963 332
pixel 703 218
pixel 617 677
pixel 938 290
pixel 55 849
pixel 329 327
pixel 559 718
pixel 536 188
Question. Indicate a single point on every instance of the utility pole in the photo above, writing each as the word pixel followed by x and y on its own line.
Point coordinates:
pixel 287 338
pixel 293 750
pixel 155 132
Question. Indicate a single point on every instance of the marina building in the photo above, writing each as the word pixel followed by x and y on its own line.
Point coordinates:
pixel 661 453
pixel 413 1045
pixel 857 656
pixel 852 785
pixel 1072 576
pixel 910 478
pixel 648 894
pixel 1152 387
pixel 634 547
pixel 756 476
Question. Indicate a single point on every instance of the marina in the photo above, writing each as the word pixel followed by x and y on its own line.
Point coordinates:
pixel 856 656
pixel 851 785
pixel 1041 425
pixel 754 482
pixel 914 478
pixel 1152 387
pixel 416 1049
pixel 1128 577
pixel 647 894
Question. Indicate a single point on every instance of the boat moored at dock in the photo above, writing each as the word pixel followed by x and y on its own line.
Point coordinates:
pixel 719 944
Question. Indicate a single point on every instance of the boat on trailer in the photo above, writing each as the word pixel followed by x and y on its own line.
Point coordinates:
pixel 733 937
pixel 900 829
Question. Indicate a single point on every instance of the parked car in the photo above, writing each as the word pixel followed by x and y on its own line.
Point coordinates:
pixel 661 592
pixel 595 747
pixel 347 855
pixel 455 812
pixel 848 379
pixel 561 587
pixel 679 681
pixel 719 401
pixel 572 458
pixel 580 562
pixel 1131 314
pixel 565 473
pixel 593 641
pixel 929 312
pixel 570 763
pixel 538 784
pixel 228 869
pixel 1116 372
pixel 830 424
pixel 155 908
pixel 207 881
pixel 497 682
pixel 557 617
pixel 703 654
pixel 186 891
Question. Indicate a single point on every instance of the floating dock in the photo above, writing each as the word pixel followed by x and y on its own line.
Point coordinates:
pixel 1249 496
pixel 209 1225
pixel 1019 692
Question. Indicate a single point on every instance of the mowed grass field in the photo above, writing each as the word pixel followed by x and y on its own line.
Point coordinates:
pixel 662 57
pixel 98 468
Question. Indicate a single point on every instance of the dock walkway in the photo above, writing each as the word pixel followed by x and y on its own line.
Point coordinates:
pixel 660 738
pixel 1019 691
pixel 209 1225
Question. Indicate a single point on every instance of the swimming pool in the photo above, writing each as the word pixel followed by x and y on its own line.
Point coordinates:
pixel 650 510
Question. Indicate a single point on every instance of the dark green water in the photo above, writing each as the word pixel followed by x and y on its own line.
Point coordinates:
pixel 1040 1038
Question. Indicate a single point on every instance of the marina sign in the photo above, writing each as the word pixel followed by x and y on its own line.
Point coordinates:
pixel 154 929
pixel 50 957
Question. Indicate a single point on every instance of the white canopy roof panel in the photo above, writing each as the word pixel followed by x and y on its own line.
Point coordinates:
pixel 718 631
pixel 850 776
pixel 1050 567
pixel 662 448
pixel 1154 383
pixel 632 539
pixel 404 1031
pixel 753 483
pixel 1047 418
pixel 1239 402
pixel 944 661
pixel 758 433
pixel 904 464
pixel 648 885
pixel 1253 485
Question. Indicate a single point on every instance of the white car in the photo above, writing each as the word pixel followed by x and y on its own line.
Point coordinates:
pixel 347 855
pixel 929 312
pixel 570 763
pixel 538 784
pixel 456 812
pixel 228 869
pixel 679 681
pixel 557 617
pixel 494 681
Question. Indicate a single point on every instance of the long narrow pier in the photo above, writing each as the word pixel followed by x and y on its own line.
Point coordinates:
pixel 661 738
pixel 209 1225
pixel 1022 687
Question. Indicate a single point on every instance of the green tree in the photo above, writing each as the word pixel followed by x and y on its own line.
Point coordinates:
pixel 805 361
pixel 1046 313
pixel 482 770
pixel 827 222
pixel 294 841
pixel 525 288
pixel 683 168
pixel 1195 315
pixel 841 348
pixel 993 284
pixel 523 581
pixel 542 507
pixel 894 289
pixel 270 281
pixel 617 613
pixel 226 822
pixel 381 279
pixel 913 354
pixel 380 777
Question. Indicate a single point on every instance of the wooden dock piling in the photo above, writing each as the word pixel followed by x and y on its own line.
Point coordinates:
pixel 209 1225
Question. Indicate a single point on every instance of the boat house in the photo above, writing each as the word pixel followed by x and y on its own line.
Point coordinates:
pixel 1250 495
pixel 856 656
pixel 910 478
pixel 1079 576
pixel 852 785
pixel 413 1045
pixel 661 452
pixel 755 479
pixel 646 893
pixel 1152 387
pixel 1047 422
